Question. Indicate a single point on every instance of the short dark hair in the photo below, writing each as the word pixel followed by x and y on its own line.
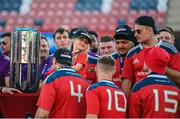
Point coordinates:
pixel 106 60
pixel 167 29
pixel 6 34
pixel 106 38
pixel 106 63
pixel 43 37
pixel 60 30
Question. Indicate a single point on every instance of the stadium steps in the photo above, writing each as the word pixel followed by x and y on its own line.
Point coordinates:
pixel 173 18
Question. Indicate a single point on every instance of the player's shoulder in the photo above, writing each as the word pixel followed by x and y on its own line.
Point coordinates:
pixel 171 49
pixel 115 55
pixel 134 50
pixel 151 80
pixel 102 83
pixel 92 59
pixel 61 73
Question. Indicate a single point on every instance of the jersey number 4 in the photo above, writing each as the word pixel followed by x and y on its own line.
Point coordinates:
pixel 77 94
pixel 116 94
pixel 167 94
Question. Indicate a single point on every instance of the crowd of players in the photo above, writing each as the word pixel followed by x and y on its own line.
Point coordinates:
pixel 134 73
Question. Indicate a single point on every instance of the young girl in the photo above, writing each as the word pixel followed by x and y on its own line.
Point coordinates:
pixel 81 44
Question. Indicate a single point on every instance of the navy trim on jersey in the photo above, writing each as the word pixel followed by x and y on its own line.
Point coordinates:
pixel 153 79
pixel 134 50
pixel 171 49
pixel 63 72
pixel 115 55
pixel 103 83
pixel 92 60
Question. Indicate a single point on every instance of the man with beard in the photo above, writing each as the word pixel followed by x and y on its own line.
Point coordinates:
pixel 125 40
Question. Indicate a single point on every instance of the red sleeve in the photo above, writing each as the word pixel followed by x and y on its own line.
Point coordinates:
pixel 47 96
pixel 92 101
pixel 128 71
pixel 175 61
pixel 134 106
pixel 82 58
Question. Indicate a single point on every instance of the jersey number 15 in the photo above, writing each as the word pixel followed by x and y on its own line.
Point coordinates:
pixel 167 100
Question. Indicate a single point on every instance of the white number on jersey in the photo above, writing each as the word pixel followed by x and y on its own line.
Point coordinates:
pixel 116 94
pixel 73 93
pixel 167 100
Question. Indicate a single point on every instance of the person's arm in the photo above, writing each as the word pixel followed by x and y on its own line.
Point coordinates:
pixel 7 81
pixel 9 90
pixel 89 116
pixel 173 75
pixel 77 67
pixel 41 113
pixel 126 86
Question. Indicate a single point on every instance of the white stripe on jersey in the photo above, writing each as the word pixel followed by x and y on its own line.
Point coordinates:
pixel 168 45
pixel 156 76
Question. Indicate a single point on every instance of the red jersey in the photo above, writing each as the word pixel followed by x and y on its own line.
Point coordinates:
pixel 135 68
pixel 91 74
pixel 63 94
pixel 106 100
pixel 154 97
pixel 81 57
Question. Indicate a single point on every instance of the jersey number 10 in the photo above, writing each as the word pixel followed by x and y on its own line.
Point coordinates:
pixel 116 94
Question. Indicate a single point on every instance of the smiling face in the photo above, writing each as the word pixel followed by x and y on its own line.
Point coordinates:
pixel 80 44
pixel 44 49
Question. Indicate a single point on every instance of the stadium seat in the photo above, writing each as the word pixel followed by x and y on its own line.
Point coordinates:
pixel 77 13
pixel 2 23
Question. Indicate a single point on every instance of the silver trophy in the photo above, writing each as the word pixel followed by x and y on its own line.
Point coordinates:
pixel 24 66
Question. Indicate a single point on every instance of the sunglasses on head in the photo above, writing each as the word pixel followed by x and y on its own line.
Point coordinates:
pixel 3 43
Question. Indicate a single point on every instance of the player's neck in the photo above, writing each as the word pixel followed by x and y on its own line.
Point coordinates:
pixel 104 77
pixel 152 42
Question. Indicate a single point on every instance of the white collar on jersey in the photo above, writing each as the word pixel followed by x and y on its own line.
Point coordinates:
pixel 156 75
pixel 107 81
pixel 66 69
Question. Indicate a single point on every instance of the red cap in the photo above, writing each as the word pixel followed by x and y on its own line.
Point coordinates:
pixel 157 59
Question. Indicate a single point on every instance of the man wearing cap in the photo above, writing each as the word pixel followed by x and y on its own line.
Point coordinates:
pixel 81 45
pixel 155 96
pixel 63 92
pixel 125 40
pixel 167 34
pixel 134 66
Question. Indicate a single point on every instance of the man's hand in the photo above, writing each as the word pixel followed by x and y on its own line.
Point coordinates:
pixel 10 90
